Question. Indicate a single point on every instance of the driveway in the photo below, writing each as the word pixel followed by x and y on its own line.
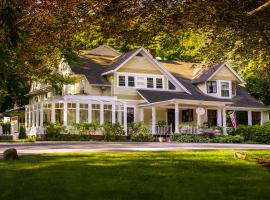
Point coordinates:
pixel 71 147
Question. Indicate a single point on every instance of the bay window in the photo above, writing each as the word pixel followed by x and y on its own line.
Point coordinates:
pixel 59 113
pixel 107 113
pixel 47 113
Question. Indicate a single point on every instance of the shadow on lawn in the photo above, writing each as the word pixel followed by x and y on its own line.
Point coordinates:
pixel 155 175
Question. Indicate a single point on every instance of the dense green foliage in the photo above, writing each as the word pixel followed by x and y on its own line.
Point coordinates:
pixel 189 138
pixel 256 134
pixel 139 133
pixel 113 132
pixel 22 133
pixel 192 175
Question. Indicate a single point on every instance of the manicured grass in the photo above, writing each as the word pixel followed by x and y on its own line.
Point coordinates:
pixel 144 175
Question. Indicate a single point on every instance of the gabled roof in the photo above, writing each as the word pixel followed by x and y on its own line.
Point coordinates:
pixel 120 60
pixel 103 50
pixel 92 69
pixel 210 72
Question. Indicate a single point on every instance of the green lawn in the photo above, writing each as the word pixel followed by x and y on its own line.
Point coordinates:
pixel 147 175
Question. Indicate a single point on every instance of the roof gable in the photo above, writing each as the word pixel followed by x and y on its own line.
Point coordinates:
pixel 103 50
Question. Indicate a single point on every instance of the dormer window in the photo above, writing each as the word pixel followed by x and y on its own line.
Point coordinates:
pixel 159 83
pixel 122 81
pixel 150 83
pixel 225 89
pixel 211 87
pixel 131 81
pixel 171 86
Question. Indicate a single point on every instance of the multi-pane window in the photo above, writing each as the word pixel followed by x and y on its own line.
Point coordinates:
pixel 171 86
pixel 225 89
pixel 130 115
pixel 211 87
pixel 131 81
pixel 47 113
pixel 122 81
pixel 107 113
pixel 96 113
pixel 233 88
pixel 83 112
pixel 71 114
pixel 187 115
pixel 159 83
pixel 119 114
pixel 150 83
pixel 59 113
pixel 256 118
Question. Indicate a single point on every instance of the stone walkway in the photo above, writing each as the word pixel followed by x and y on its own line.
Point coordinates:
pixel 71 147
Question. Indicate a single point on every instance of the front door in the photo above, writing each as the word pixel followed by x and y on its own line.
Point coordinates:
pixel 171 118
pixel 130 115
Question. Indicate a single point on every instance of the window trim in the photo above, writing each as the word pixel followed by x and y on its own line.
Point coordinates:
pixel 214 91
pixel 229 89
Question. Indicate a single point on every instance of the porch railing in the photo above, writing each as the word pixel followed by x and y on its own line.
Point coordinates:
pixel 164 130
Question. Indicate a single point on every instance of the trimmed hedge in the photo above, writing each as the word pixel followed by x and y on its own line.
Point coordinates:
pixel 190 138
pixel 254 134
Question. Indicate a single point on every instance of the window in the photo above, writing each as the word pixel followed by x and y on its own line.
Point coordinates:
pixel 47 113
pixel 83 112
pixel 130 115
pixel 171 86
pixel 96 113
pixel 187 115
pixel 120 114
pixel 212 117
pixel 159 83
pixel 122 81
pixel 107 114
pixel 131 81
pixel 211 87
pixel 233 88
pixel 256 118
pixel 225 90
pixel 59 113
pixel 150 83
pixel 71 114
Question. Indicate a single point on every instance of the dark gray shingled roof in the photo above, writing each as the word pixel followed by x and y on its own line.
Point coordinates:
pixel 207 73
pixel 120 60
pixel 244 99
pixel 91 69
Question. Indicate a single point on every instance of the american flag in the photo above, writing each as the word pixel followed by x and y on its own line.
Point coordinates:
pixel 233 119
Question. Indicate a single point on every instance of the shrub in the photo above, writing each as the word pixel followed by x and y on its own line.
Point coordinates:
pixel 6 128
pixel 228 139
pixel 141 134
pixel 54 128
pixel 22 133
pixel 254 134
pixel 113 132
pixel 89 128
pixel 189 138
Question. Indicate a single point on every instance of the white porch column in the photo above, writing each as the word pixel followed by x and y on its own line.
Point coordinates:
pixel 249 117
pixel 34 116
pixel 141 115
pixel 89 112
pixel 125 118
pixel 77 113
pixel 224 125
pixel 65 114
pixel 29 117
pixel 25 116
pixel 176 113
pixel 219 117
pixel 153 120
pixel 113 113
pixel 41 115
pixel 53 112
pixel 119 117
pixel 101 113
pixel 37 115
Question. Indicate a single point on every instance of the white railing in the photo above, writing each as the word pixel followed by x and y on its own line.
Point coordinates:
pixel 163 130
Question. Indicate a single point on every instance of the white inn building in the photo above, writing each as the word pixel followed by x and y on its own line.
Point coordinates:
pixel 112 87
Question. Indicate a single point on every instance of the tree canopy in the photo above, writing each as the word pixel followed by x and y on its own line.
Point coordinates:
pixel 35 35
